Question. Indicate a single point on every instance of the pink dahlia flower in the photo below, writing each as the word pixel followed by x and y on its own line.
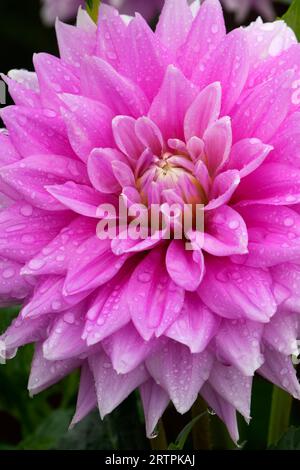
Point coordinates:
pixel 188 114
pixel 67 9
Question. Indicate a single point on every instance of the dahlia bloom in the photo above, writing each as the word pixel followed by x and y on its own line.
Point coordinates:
pixel 67 9
pixel 188 114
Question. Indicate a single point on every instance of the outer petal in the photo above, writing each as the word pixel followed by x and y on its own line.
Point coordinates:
pixel 186 373
pixel 174 24
pixel 46 373
pixel 207 31
pixel 224 410
pixel 101 82
pixel 234 291
pixel 87 398
pixel 30 176
pixel 93 265
pixel 271 183
pixel 25 230
pixel 282 333
pixel 88 124
pixel 155 401
pixel 79 198
pixel 127 349
pixel 233 386
pixel 274 235
pixel 36 132
pixel 238 344
pixel 56 256
pixel 196 325
pixel 279 369
pixel 229 65
pixel 113 388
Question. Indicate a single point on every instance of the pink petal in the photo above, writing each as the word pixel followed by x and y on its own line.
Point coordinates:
pixel 167 111
pixel 229 65
pixel 224 186
pixel 88 124
pixel 93 265
pixel 225 232
pixel 100 170
pixel 247 155
pixel 218 141
pixel 274 235
pixel 101 82
pixel 111 38
pixel 36 132
pixel 286 142
pixel 79 198
pixel 263 110
pixel 56 256
pixel 74 43
pixel 238 344
pixel 145 56
pixel 203 112
pixel 280 370
pixel 30 176
pixel 125 137
pixel 149 134
pixel 24 331
pixel 54 77
pixel 87 398
pixel 109 310
pixel 13 287
pixel 48 298
pixel 127 349
pixel 271 183
pixel 46 373
pixel 183 267
pixel 64 338
pixel 154 300
pixel 233 386
pixel 196 325
pixel 155 400
pixel 207 31
pixel 234 291
pixel 174 24
pixel 225 411
pixel 282 332
pixel 25 230
pixel 186 373
pixel 287 276
pixel 113 388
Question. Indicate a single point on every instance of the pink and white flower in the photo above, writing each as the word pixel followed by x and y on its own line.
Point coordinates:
pixel 187 113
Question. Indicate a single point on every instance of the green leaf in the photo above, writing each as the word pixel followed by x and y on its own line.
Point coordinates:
pixel 289 441
pixel 292 17
pixel 92 7
pixel 184 434
pixel 48 434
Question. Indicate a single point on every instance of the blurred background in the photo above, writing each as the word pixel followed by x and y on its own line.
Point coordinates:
pixel 42 422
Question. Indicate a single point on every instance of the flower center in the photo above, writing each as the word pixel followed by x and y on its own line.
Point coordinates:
pixel 168 177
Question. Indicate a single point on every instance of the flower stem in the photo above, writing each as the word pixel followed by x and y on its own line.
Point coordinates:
pixel 280 415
